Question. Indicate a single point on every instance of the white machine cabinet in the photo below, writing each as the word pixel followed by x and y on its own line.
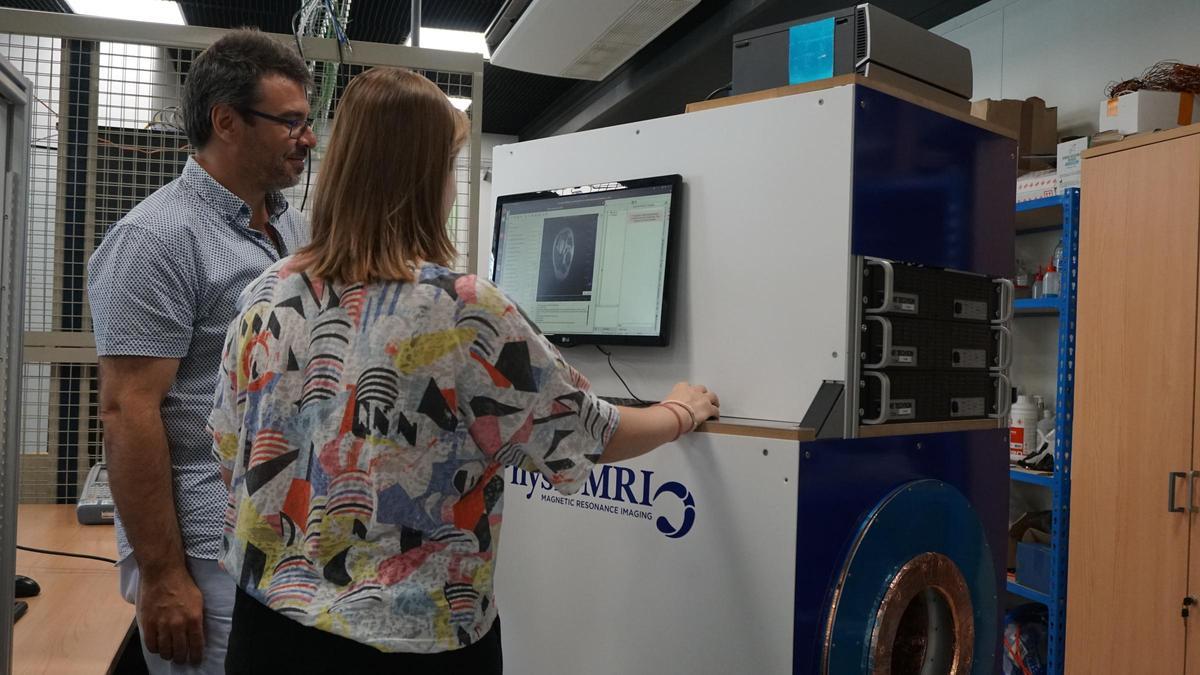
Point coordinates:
pixel 793 536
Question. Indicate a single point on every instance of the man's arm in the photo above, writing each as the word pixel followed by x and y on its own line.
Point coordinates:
pixel 170 606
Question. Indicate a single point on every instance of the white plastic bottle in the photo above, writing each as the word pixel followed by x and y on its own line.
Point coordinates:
pixel 1050 283
pixel 1022 431
pixel 1046 424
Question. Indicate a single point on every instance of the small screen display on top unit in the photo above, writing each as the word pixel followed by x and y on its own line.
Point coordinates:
pixel 590 264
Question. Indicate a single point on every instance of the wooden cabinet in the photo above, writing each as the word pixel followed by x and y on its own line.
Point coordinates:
pixel 1137 413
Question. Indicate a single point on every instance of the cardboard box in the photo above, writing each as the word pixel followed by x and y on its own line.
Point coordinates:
pixel 1148 111
pixel 1070 163
pixel 1036 185
pixel 1035 126
pixel 1037 523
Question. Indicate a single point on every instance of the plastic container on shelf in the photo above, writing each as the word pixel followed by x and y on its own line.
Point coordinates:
pixel 1045 425
pixel 1050 282
pixel 1022 431
pixel 1037 284
pixel 1023 280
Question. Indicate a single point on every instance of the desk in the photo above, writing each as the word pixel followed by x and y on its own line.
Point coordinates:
pixel 79 622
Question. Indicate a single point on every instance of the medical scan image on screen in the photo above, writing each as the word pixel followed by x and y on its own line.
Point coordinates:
pixel 587 264
pixel 568 258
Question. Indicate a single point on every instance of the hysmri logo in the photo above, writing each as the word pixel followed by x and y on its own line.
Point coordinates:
pixel 620 491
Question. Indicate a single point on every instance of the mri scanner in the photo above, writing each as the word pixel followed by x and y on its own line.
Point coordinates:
pixel 839 284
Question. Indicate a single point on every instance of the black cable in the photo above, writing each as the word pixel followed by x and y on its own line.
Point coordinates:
pixel 67 555
pixel 308 179
pixel 296 31
pixel 613 368
pixel 728 87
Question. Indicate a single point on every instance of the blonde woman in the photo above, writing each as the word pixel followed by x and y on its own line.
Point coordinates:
pixel 369 401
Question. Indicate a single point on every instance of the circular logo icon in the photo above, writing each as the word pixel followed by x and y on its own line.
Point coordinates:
pixel 689 510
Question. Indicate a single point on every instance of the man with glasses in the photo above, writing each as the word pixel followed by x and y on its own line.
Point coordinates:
pixel 163 287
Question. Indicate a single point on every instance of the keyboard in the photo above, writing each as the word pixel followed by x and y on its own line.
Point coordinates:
pixel 627 402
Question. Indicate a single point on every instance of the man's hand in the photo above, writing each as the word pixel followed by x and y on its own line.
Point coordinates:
pixel 170 611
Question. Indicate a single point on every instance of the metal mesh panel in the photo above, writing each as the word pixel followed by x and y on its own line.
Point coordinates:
pixel 107 134
pixel 458 87
pixel 38 59
pixel 60 430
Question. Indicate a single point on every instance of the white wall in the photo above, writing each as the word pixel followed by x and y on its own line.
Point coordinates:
pixel 487 200
pixel 1067 51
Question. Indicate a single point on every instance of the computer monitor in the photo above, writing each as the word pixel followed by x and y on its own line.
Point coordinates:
pixel 592 264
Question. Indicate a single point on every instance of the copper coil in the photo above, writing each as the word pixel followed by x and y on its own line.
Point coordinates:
pixel 925 623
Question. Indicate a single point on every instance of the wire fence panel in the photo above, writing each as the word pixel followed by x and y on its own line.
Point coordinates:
pixel 106 133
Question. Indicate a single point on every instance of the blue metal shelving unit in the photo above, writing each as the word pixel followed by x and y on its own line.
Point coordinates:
pixel 1028 593
pixel 1045 215
pixel 1032 477
pixel 1033 306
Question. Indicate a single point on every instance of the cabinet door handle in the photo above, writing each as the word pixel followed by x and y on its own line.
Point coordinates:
pixel 1191 495
pixel 1173 477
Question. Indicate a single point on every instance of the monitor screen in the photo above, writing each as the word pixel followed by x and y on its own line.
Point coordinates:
pixel 591 264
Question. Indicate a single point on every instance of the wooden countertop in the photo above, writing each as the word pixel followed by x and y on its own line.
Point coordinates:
pixel 1139 140
pixel 738 426
pixel 913 428
pixel 79 622
pixel 846 80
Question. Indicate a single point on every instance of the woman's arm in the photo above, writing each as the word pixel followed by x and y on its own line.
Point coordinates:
pixel 644 429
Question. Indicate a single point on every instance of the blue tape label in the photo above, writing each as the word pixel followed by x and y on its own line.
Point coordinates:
pixel 810 51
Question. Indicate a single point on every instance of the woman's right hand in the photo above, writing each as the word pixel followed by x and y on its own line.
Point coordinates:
pixel 643 429
pixel 704 403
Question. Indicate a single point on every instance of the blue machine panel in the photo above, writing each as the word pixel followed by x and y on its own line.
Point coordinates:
pixel 842 481
pixel 930 189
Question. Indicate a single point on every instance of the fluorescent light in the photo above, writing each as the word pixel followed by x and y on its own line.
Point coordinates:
pixel 156 11
pixel 452 40
pixel 460 102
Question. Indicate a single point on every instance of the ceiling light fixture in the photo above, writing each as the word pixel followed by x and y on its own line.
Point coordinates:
pixel 452 40
pixel 156 11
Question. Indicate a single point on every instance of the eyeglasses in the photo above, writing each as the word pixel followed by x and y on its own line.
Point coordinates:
pixel 296 128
